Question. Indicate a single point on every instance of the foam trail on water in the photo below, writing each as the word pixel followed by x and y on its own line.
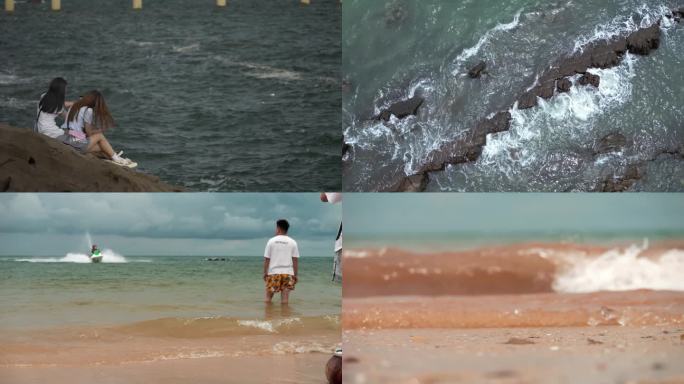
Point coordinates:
pixel 623 270
pixel 623 25
pixel 269 325
pixel 108 256
pixel 472 51
pixel 572 112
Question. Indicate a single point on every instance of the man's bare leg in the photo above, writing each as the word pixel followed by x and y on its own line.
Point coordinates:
pixel 285 296
pixel 269 296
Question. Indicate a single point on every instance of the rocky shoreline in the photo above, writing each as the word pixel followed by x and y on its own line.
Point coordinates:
pixel 555 80
pixel 31 162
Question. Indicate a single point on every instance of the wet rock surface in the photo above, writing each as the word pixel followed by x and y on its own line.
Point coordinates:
pixel 590 79
pixel 478 70
pixel 613 142
pixel 564 85
pixel 602 54
pixel 402 109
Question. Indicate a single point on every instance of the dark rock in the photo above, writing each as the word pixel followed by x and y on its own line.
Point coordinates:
pixel 345 147
pixel 333 370
pixel 346 86
pixel 402 109
pixel 545 90
pixel 611 143
pixel 644 40
pixel 589 78
pixel 678 14
pixel 528 100
pixel 623 183
pixel 518 341
pixel 395 13
pixel 414 183
pixel 606 59
pixel 477 71
pixel 31 162
pixel 564 85
pixel 591 341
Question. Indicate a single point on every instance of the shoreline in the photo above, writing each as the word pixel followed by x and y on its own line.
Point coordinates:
pixel 299 368
pixel 86 354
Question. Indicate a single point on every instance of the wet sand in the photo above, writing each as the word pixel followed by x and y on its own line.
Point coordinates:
pixel 107 355
pixel 630 308
pixel 301 368
pixel 608 354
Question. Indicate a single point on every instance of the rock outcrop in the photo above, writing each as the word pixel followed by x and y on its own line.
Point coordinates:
pixel 477 71
pixel 564 85
pixel 601 54
pixel 31 162
pixel 613 142
pixel 590 79
pixel 402 109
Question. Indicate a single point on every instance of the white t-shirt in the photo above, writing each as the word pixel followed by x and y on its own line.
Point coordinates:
pixel 334 198
pixel 281 250
pixel 84 115
pixel 46 123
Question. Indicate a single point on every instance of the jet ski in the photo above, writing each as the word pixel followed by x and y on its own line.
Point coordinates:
pixel 95 255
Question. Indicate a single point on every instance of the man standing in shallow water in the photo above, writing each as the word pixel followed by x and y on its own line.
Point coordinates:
pixel 280 263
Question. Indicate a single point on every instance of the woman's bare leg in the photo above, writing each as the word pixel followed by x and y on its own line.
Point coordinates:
pixel 98 143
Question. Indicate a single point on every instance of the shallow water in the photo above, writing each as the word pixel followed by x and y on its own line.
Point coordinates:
pixel 243 98
pixel 169 291
pixel 398 48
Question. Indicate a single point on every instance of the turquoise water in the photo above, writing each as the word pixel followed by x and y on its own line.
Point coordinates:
pixel 454 241
pixel 394 49
pixel 46 294
pixel 242 98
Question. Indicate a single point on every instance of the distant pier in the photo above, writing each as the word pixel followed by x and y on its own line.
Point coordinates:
pixel 56 5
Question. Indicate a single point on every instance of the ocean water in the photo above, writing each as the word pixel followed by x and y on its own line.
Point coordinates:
pixel 243 98
pixel 395 49
pixel 479 263
pixel 161 294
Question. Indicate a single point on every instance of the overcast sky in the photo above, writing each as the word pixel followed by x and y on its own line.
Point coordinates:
pixel 367 214
pixel 226 224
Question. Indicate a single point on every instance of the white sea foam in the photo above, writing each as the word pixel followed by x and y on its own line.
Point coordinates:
pixel 14 103
pixel 10 78
pixel 573 111
pixel 484 39
pixel 292 347
pixel 621 270
pixel 142 43
pixel 262 71
pixel 622 25
pixel 108 256
pixel 269 325
pixel 186 48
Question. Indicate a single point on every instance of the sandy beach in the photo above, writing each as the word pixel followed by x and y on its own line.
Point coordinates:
pixel 148 353
pixel 303 368
pixel 529 312
pixel 611 354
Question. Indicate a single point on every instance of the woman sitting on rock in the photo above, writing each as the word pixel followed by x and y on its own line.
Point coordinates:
pixel 50 106
pixel 86 121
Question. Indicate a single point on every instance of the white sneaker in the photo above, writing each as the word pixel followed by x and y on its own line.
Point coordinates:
pixel 122 161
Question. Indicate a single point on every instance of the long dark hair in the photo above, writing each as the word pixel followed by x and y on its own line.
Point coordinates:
pixel 102 119
pixel 53 101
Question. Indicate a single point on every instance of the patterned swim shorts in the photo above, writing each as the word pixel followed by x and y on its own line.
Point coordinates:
pixel 276 283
